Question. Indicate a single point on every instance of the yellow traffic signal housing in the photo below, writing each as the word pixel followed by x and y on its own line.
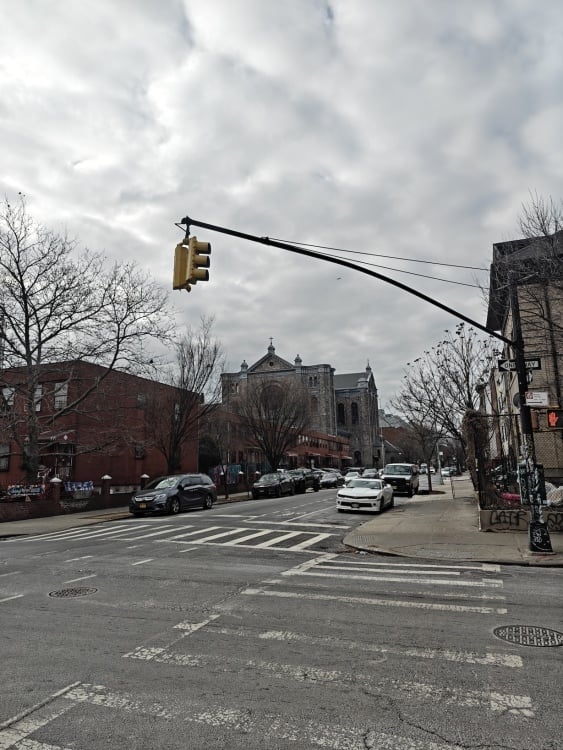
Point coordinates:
pixel 198 261
pixel 180 279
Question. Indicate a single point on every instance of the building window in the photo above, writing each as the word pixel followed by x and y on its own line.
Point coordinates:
pixel 341 414
pixel 61 395
pixel 314 407
pixel 4 457
pixel 139 451
pixel 37 396
pixel 8 399
pixel 355 414
pixel 141 400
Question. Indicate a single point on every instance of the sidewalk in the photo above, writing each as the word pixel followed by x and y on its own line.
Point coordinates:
pixel 445 526
pixel 441 526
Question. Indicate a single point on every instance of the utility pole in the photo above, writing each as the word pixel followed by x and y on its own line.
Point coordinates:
pixel 532 483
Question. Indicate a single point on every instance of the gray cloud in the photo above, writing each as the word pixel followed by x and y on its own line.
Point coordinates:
pixel 414 130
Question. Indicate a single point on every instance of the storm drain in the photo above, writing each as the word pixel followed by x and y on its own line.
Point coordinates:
pixel 529 635
pixel 65 593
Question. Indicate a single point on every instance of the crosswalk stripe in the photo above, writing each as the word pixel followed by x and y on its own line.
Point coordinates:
pixel 230 532
pixel 278 539
pixel 271 728
pixel 310 542
pixel 419 692
pixel 376 601
pixel 493 584
pixel 240 540
pixel 511 661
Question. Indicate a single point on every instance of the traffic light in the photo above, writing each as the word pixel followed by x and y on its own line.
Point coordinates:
pixel 198 261
pixel 180 279
pixel 555 419
pixel 191 261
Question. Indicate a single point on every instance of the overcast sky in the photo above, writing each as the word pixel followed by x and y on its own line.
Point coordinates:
pixel 406 128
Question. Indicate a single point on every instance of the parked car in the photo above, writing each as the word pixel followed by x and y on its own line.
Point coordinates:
pixel 370 474
pixel 273 485
pixel 351 475
pixel 305 479
pixel 331 479
pixel 402 477
pixel 447 471
pixel 174 493
pixel 365 494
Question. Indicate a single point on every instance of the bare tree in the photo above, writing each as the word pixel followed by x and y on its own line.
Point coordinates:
pixel 274 415
pixel 58 304
pixel 440 386
pixel 175 417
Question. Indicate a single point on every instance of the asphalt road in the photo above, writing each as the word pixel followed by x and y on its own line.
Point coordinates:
pixel 251 626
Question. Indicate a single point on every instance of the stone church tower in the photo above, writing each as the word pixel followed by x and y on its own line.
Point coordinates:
pixel 317 380
pixel 345 405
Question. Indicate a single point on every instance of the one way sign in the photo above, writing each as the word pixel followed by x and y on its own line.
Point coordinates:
pixel 510 364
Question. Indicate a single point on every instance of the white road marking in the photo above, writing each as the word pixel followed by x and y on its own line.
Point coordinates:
pixel 146 536
pixel 376 602
pixel 188 549
pixel 278 539
pixel 271 728
pixel 308 525
pixel 190 533
pixel 75 559
pixel 419 692
pixel 222 534
pixel 396 579
pixel 310 542
pixel 82 578
pixel 254 535
pixel 142 562
pixel 17 728
pixel 9 598
pixel 11 573
pixel 511 661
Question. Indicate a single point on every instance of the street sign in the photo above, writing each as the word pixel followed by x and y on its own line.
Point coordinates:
pixel 537 398
pixel 510 364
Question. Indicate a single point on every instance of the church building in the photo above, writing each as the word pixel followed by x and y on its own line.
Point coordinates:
pixel 340 405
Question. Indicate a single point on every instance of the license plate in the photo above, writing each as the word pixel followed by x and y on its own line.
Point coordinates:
pixel 355 505
pixel 142 505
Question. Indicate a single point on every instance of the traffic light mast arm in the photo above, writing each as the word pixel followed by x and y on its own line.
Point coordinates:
pixel 187 221
pixel 536 525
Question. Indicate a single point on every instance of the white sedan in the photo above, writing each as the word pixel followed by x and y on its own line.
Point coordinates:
pixel 365 494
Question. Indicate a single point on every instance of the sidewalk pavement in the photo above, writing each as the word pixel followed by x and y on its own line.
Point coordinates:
pixel 445 526
pixel 441 526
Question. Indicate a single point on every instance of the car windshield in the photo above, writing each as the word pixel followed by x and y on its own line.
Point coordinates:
pixel 164 483
pixel 367 484
pixel 271 477
pixel 397 469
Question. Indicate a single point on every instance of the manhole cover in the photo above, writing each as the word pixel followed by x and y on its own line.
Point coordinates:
pixel 529 635
pixel 73 592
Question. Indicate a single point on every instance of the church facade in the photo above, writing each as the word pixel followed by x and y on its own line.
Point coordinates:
pixel 343 406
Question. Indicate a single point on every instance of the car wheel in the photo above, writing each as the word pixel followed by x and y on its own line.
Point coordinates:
pixel 409 492
pixel 392 501
pixel 137 515
pixel 381 505
pixel 207 502
pixel 174 506
pixel 278 492
pixel 316 488
pixel 254 496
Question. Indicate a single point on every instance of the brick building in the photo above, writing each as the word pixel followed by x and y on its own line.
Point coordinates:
pixel 110 432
